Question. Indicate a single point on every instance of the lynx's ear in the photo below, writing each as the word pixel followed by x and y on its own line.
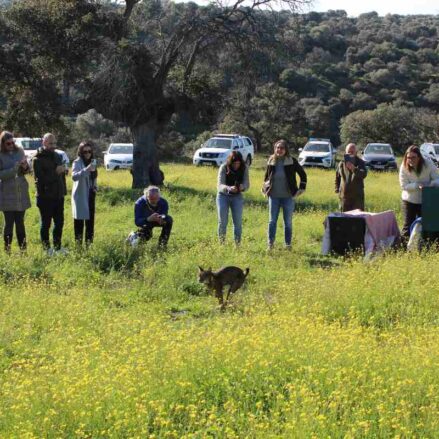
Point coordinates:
pixel 200 269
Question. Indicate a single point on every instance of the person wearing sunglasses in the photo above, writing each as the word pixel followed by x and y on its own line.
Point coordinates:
pixel 49 173
pixel 84 176
pixel 14 190
pixel 414 174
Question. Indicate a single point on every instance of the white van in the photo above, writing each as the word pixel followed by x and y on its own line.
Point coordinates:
pixel 30 146
pixel 216 149
pixel 431 151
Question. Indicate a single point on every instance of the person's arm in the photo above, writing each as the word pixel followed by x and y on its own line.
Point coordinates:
pixel 360 170
pixel 337 179
pixel 302 175
pixel 78 172
pixel 221 186
pixel 10 173
pixel 164 207
pixel 140 213
pixel 405 182
pixel 246 181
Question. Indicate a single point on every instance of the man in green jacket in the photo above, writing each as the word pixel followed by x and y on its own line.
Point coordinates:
pixel 349 180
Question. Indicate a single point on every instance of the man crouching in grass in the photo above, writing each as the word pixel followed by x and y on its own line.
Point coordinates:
pixel 151 211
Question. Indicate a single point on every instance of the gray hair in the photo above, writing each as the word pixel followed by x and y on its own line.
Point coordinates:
pixel 151 190
pixel 48 136
pixel 351 144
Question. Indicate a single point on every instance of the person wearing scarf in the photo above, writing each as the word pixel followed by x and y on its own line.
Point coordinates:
pixel 233 180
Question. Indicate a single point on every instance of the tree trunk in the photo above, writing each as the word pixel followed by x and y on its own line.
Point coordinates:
pixel 146 168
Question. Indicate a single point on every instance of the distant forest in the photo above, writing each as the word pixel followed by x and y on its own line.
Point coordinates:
pixel 299 77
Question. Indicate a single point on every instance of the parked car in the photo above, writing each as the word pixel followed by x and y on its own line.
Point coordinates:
pixel 379 156
pixel 431 151
pixel 217 148
pixel 118 156
pixel 318 152
pixel 30 146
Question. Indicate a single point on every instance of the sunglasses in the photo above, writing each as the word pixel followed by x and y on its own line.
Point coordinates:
pixel 87 151
pixel 9 142
pixel 412 157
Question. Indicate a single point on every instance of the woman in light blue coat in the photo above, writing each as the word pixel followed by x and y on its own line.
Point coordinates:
pixel 84 176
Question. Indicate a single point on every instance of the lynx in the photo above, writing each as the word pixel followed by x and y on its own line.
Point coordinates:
pixel 234 277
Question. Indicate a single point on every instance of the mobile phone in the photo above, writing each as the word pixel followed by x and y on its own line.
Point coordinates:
pixel 349 158
pixel 94 163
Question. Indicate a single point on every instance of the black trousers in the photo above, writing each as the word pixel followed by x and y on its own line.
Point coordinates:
pixel 51 209
pixel 89 224
pixel 145 232
pixel 17 218
pixel 410 211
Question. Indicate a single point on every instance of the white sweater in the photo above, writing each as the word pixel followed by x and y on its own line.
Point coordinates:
pixel 410 181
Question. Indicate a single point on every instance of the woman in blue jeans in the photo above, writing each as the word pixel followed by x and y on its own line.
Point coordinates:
pixel 280 186
pixel 232 181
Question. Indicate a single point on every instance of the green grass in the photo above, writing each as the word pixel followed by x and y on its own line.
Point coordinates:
pixel 121 342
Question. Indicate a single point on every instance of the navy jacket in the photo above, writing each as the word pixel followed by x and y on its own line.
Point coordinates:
pixel 142 210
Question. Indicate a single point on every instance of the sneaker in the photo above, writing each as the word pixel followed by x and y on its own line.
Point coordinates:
pixel 62 251
pixel 50 251
pixel 270 246
pixel 288 247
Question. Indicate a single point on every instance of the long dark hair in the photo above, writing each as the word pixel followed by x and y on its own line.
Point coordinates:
pixel 233 157
pixel 4 137
pixel 81 147
pixel 415 150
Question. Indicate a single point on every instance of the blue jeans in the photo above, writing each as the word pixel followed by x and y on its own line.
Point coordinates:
pixel 235 203
pixel 274 205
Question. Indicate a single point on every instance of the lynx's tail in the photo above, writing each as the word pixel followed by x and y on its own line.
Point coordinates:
pixel 247 270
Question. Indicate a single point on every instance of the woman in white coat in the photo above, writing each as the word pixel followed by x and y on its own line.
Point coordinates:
pixel 414 174
pixel 84 176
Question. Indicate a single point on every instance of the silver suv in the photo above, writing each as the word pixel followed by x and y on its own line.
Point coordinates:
pixel 217 148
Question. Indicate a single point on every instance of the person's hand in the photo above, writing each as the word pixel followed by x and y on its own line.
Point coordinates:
pixel 241 187
pixel 60 169
pixel 350 166
pixel 233 189
pixel 90 168
pixel 154 218
pixel 299 192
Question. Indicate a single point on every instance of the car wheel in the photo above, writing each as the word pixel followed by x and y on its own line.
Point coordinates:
pixel 115 168
pixel 248 160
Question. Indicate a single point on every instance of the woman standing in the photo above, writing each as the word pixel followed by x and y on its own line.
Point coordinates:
pixel 280 186
pixel 415 173
pixel 84 176
pixel 14 190
pixel 232 181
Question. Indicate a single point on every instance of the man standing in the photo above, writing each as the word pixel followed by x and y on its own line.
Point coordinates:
pixel 152 211
pixel 49 173
pixel 349 180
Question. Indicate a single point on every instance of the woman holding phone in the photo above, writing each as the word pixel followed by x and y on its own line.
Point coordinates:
pixel 14 189
pixel 349 180
pixel 84 176
pixel 233 179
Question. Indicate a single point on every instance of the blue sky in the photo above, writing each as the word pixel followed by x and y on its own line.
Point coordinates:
pixel 383 7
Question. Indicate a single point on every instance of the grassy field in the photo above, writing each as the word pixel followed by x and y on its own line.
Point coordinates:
pixel 119 342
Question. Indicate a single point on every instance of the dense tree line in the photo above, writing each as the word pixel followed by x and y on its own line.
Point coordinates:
pixel 173 73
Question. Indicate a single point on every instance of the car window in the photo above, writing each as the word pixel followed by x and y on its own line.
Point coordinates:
pixel 316 147
pixel 30 145
pixel 375 148
pixel 240 143
pixel 121 149
pixel 218 143
pixel 436 148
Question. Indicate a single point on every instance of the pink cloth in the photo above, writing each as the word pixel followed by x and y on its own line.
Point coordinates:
pixel 380 225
